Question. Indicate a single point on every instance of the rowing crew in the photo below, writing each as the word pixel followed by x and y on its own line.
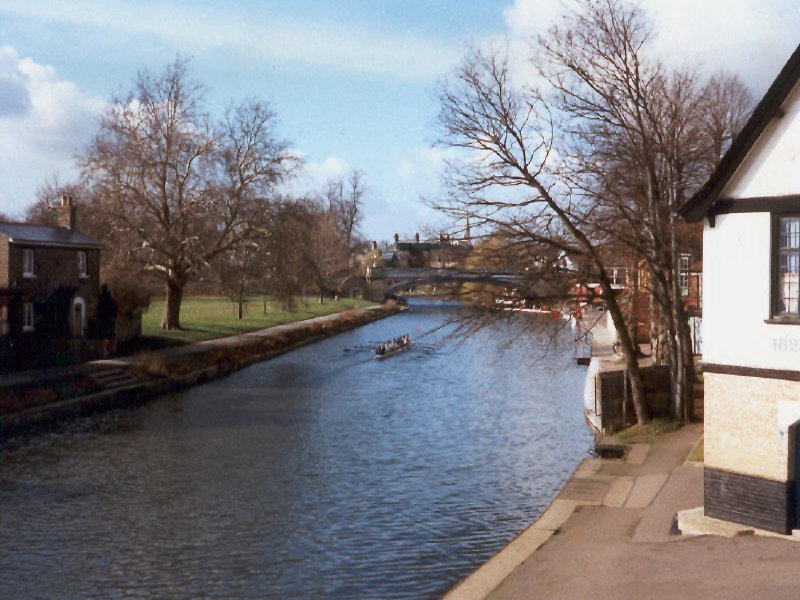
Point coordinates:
pixel 392 345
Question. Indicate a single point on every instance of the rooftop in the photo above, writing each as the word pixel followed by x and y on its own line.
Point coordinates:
pixel 46 236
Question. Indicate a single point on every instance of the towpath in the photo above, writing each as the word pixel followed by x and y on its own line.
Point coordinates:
pixel 610 534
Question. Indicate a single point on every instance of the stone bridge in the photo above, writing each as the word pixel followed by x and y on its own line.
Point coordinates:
pixel 383 283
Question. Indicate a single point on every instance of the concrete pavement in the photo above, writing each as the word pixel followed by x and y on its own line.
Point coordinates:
pixel 611 532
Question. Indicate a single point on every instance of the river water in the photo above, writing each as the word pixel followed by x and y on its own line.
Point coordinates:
pixel 323 473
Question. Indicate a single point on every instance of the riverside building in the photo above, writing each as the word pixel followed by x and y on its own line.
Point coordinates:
pixel 751 308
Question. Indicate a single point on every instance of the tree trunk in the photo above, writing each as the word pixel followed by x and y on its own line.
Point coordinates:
pixel 240 312
pixel 679 355
pixel 683 338
pixel 630 353
pixel 172 308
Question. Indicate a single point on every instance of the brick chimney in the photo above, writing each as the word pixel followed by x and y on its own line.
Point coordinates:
pixel 66 213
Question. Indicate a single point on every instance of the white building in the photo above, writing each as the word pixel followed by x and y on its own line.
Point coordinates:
pixel 751 329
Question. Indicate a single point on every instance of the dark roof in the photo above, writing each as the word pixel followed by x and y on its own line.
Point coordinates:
pixel 46 236
pixel 699 204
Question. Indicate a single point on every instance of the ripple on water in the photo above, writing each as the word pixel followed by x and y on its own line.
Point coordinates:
pixel 322 473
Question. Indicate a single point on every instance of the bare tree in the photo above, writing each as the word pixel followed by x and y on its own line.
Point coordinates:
pixel 725 105
pixel 509 177
pixel 284 252
pixel 48 197
pixel 325 251
pixel 640 138
pixel 344 198
pixel 187 191
pixel 240 271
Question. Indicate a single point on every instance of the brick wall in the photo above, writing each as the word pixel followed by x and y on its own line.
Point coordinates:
pixel 56 270
pixel 741 424
pixel 747 462
pixel 3 262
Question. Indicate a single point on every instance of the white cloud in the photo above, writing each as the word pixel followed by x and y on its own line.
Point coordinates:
pixel 405 170
pixel 44 121
pixel 14 97
pixel 197 28
pixel 313 175
pixel 332 167
pixel 751 39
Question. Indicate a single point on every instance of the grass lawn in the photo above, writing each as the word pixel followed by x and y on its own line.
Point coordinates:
pixel 209 317
pixel 647 433
pixel 698 452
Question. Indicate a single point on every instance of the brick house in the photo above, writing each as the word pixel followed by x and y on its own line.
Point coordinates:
pixel 49 291
pixel 751 356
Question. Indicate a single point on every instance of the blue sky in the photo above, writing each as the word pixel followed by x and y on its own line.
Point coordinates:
pixel 352 82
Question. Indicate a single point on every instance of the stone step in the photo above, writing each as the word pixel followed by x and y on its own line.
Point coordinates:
pixel 115 379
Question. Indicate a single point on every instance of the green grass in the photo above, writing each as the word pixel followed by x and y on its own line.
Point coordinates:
pixel 698 454
pixel 647 433
pixel 209 317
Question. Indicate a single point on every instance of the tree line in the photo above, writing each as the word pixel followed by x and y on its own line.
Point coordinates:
pixel 588 153
pixel 177 195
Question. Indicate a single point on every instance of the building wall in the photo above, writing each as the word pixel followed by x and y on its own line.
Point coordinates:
pixel 743 431
pixel 747 413
pixel 736 297
pixel 55 268
pixel 748 470
pixel 3 262
pixel 772 167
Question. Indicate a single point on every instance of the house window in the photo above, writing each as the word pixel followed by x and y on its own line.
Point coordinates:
pixel 28 263
pixel 82 269
pixel 683 273
pixel 27 316
pixel 700 286
pixel 786 271
pixel 4 328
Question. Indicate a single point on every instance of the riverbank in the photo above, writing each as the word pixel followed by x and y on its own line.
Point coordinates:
pixel 612 531
pixel 38 399
pixel 610 513
pixel 210 317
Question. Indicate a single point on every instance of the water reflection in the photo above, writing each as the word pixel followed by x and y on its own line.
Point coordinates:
pixel 322 473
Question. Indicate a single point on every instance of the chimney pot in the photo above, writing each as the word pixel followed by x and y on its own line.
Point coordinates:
pixel 66 213
pixel 416 237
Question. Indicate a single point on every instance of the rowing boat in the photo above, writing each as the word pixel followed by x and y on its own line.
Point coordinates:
pixel 394 350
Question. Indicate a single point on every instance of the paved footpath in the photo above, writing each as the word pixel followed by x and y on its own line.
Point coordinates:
pixel 610 534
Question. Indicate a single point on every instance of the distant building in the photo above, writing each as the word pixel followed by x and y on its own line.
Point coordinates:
pixel 751 297
pixel 49 291
pixel 446 252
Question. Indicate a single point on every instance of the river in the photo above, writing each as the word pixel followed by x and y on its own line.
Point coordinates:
pixel 322 473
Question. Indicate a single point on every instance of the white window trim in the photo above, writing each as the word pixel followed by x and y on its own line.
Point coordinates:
pixel 83 265
pixel 27 311
pixel 28 266
pixel 684 266
pixel 79 327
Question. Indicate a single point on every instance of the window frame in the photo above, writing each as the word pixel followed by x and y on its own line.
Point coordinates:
pixel 83 264
pixel 28 273
pixel 775 315
pixel 684 274
pixel 28 310
pixel 5 324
